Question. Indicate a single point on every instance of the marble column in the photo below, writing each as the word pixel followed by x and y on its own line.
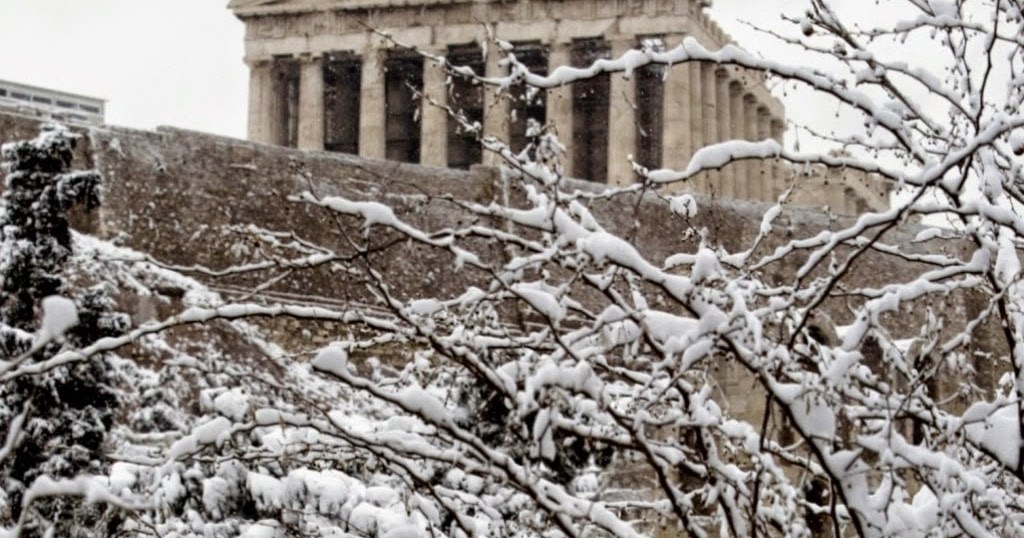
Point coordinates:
pixel 560 103
pixel 496 107
pixel 434 124
pixel 261 90
pixel 712 181
pixel 778 129
pixel 737 128
pixel 728 174
pixel 278 100
pixel 836 197
pixel 622 120
pixel 764 123
pixel 698 136
pixel 311 104
pixel 772 185
pixel 755 169
pixel 677 116
pixel 372 141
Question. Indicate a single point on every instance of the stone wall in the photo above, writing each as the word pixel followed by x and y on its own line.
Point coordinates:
pixel 170 192
pixel 176 194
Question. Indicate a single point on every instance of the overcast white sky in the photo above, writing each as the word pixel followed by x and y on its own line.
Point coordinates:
pixel 157 62
pixel 170 62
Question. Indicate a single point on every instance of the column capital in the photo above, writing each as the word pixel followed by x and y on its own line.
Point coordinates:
pixel 375 42
pixel 255 63
pixel 618 47
pixel 309 57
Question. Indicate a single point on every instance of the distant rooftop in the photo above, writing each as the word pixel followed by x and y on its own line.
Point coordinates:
pixel 55 104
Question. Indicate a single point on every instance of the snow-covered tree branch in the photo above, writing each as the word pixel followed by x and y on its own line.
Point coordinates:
pixel 579 382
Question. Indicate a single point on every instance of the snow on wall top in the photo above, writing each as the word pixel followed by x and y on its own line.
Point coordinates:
pixel 184 197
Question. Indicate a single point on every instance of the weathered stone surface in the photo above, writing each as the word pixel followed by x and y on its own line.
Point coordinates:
pixel 698 108
pixel 174 194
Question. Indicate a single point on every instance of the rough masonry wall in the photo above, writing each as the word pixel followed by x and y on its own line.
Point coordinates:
pixel 172 192
pixel 174 195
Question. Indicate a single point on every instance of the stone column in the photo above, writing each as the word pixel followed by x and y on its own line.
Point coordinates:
pixel 764 123
pixel 778 129
pixel 737 128
pixel 677 116
pixel 434 124
pixel 698 137
pixel 277 101
pixel 372 118
pixel 496 107
pixel 712 182
pixel 311 104
pixel 772 185
pixel 560 103
pixel 755 169
pixel 836 197
pixel 261 89
pixel 722 98
pixel 622 120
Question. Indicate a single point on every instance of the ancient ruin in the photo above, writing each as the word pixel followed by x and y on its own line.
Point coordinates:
pixel 324 78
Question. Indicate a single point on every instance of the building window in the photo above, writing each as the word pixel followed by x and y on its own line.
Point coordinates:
pixel 465 97
pixel 41 99
pixel 285 111
pixel 22 96
pixel 528 103
pixel 590 114
pixel 650 106
pixel 403 81
pixel 3 92
pixel 65 104
pixel 342 82
pixel 88 108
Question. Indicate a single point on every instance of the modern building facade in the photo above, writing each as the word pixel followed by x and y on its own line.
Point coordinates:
pixel 324 78
pixel 58 105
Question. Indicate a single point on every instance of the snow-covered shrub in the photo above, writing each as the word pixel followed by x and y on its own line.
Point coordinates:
pixel 57 418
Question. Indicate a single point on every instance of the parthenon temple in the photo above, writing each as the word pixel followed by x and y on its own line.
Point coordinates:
pixel 323 77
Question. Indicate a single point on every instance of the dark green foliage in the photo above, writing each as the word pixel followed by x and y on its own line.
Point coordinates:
pixel 36 236
pixel 69 408
pixel 488 417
